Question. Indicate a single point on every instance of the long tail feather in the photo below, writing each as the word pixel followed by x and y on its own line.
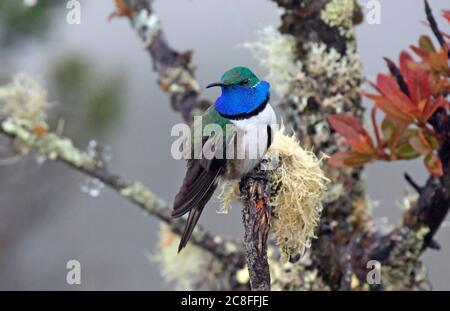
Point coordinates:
pixel 194 216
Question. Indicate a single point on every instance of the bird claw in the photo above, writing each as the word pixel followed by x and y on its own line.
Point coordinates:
pixel 255 175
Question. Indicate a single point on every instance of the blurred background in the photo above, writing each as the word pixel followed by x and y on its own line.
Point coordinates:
pixel 100 81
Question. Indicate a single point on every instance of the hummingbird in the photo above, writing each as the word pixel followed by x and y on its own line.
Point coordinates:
pixel 243 107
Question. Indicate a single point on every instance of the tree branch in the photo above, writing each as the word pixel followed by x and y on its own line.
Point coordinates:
pixel 256 217
pixel 58 148
pixel 175 74
pixel 434 201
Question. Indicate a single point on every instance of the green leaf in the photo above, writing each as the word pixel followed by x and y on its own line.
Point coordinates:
pixel 406 151
pixel 426 44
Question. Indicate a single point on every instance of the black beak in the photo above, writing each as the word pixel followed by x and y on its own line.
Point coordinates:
pixel 216 84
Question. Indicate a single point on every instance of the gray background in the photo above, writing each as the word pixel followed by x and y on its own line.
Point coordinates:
pixel 45 220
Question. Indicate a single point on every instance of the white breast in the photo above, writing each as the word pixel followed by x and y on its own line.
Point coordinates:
pixel 252 140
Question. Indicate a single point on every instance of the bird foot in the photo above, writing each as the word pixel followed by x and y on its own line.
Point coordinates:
pixel 255 175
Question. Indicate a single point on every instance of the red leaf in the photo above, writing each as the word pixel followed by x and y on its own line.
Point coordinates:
pixel 348 126
pixel 398 104
pixel 405 60
pixel 421 53
pixel 392 112
pixel 355 135
pixel 419 85
pixel 433 164
pixel 446 14
pixel 430 107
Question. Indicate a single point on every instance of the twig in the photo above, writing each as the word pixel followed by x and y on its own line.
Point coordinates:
pixel 433 24
pixel 412 183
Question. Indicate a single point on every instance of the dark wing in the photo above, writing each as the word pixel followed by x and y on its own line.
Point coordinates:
pixel 200 181
pixel 200 177
pixel 198 187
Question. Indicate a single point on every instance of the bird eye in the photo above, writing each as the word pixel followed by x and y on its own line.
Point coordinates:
pixel 245 81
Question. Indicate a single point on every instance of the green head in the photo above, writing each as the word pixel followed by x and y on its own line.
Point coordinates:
pixel 237 76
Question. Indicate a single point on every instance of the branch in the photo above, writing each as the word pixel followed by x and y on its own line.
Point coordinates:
pixel 434 201
pixel 175 74
pixel 59 148
pixel 256 217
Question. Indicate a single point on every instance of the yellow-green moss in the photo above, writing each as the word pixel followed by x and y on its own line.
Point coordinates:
pixel 300 184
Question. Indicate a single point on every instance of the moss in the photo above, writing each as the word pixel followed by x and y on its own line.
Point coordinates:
pixel 299 184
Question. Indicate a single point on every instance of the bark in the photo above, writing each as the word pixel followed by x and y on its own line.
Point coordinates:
pixel 256 217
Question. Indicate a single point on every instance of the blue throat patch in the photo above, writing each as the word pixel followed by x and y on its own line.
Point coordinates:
pixel 241 102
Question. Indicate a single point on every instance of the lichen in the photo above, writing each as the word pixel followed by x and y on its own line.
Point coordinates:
pixel 403 270
pixel 323 81
pixel 48 145
pixel 25 99
pixel 300 184
pixel 195 269
pixel 295 277
pixel 228 194
pixel 276 52
pixel 147 25
pixel 139 194
pixel 339 14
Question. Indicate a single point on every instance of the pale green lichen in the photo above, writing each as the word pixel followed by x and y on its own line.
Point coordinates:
pixel 339 14
pixel 276 52
pixel 140 194
pixel 49 145
pixel 194 269
pixel 147 25
pixel 295 277
pixel 229 192
pixel 326 66
pixel 23 103
pixel 24 99
pixel 334 192
pixel 297 80
pixel 403 270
